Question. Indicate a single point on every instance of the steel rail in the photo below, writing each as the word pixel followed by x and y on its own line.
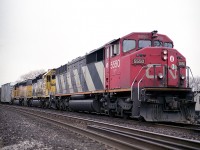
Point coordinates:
pixel 123 136
pixel 186 127
pixel 145 140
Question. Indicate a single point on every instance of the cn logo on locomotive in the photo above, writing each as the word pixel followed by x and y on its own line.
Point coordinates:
pixel 172 73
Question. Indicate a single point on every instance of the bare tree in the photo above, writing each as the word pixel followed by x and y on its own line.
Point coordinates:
pixel 31 75
pixel 195 83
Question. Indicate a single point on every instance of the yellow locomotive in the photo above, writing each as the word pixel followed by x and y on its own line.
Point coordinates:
pixel 35 91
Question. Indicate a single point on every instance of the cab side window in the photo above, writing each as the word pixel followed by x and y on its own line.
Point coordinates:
pixel 107 52
pixel 128 45
pixel 114 50
pixel 53 76
pixel 48 78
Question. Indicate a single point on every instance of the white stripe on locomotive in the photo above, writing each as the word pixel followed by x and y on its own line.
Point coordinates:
pixel 77 80
pixel 88 78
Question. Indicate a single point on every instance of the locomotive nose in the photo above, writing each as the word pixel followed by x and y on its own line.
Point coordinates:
pixel 175 73
pixel 165 67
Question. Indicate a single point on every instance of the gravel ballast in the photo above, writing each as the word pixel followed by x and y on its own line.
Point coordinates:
pixel 17 132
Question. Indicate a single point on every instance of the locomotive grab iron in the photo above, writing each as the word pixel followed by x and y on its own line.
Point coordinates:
pixel 139 75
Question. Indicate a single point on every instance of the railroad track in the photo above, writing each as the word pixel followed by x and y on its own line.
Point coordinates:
pixel 114 135
pixel 148 140
pixel 180 127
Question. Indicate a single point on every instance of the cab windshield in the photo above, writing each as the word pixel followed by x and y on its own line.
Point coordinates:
pixel 144 43
pixel 168 44
pixel 158 43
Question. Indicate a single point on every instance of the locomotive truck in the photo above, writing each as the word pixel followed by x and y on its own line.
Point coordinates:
pixel 139 75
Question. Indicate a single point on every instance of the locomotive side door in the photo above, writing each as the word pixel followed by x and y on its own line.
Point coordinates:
pixel 114 65
pixel 107 68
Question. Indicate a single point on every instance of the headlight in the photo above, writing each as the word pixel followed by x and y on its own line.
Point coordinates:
pixel 160 75
pixel 164 51
pixel 182 77
pixel 164 57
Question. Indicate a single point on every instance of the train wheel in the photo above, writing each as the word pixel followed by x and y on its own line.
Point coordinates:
pixel 50 104
pixel 60 107
pixel 30 103
pixel 69 109
pixel 41 104
pixel 46 104
pixel 22 103
pixel 111 113
pixel 65 104
pixel 64 107
pixel 125 116
pixel 12 102
pixel 141 119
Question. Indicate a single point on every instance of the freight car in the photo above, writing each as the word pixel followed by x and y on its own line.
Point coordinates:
pixel 6 91
pixel 139 75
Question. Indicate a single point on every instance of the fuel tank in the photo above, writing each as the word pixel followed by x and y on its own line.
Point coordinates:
pixel 88 105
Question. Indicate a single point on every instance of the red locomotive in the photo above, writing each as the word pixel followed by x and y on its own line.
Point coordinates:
pixel 139 75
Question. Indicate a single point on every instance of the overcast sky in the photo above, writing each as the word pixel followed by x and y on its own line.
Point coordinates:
pixel 44 34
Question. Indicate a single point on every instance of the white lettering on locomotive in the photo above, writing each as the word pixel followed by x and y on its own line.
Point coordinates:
pixel 138 61
pixel 151 76
pixel 171 58
pixel 149 66
pixel 174 69
pixel 115 64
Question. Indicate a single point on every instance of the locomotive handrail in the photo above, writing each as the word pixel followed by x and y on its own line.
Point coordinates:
pixel 154 65
pixel 135 80
pixel 189 70
pixel 139 87
pixel 188 75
